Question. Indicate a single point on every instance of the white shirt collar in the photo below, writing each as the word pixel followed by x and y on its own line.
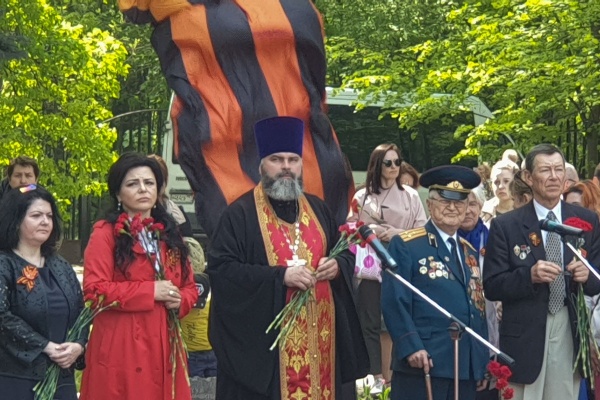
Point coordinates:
pixel 542 212
pixel 445 236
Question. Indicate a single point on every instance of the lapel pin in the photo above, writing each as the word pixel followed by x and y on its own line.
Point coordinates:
pixel 432 239
pixel 535 239
pixel 517 250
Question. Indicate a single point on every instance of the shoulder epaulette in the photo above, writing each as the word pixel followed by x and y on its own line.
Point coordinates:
pixel 468 244
pixel 413 234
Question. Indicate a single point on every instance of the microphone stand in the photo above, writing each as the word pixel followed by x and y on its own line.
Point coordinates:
pixel 457 327
pixel 581 258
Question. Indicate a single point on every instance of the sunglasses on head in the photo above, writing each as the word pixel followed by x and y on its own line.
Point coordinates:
pixel 28 188
pixel 388 163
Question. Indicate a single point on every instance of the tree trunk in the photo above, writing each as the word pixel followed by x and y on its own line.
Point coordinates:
pixel 592 140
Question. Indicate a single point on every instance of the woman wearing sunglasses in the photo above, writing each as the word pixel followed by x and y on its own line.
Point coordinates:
pixel 40 297
pixel 387 207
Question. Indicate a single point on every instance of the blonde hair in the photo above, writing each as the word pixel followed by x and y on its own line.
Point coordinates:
pixel 196 255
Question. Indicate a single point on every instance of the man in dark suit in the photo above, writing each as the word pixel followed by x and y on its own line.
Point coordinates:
pixel 524 269
pixel 445 268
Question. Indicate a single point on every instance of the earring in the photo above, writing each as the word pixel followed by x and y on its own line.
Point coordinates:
pixel 154 205
pixel 119 206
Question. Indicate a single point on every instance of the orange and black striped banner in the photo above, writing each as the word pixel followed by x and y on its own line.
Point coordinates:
pixel 232 63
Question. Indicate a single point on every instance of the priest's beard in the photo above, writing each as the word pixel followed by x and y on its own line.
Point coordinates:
pixel 280 188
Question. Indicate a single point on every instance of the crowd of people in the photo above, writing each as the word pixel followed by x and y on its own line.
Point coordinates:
pixel 495 271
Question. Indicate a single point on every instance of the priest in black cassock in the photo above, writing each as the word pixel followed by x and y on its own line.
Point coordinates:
pixel 270 243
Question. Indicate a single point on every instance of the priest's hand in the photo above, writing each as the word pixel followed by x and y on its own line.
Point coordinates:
pixel 327 269
pixel 299 276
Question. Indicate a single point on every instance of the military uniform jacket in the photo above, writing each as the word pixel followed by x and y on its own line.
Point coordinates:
pixel 424 260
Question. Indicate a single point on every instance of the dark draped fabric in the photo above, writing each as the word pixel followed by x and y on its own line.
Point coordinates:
pixel 230 64
pixel 248 294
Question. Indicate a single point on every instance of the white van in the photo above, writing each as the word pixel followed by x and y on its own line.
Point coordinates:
pixel 358 133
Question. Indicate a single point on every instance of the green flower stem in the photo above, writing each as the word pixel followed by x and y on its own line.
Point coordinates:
pixel 584 336
pixel 45 389
pixel 289 314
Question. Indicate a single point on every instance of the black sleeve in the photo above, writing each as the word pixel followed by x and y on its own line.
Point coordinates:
pixel 185 229
pixel 501 281
pixel 17 337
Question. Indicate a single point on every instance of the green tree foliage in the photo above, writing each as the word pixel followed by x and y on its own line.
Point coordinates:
pixel 535 63
pixel 54 100
pixel 144 87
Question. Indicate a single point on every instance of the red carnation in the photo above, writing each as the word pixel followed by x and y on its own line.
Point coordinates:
pixel 578 223
pixel 508 393
pixel 494 368
pixel 344 229
pixel 123 218
pixel 119 226
pixel 505 372
pixel 501 384
pixel 501 373
pixel 158 227
pixel 136 226
pixel 148 221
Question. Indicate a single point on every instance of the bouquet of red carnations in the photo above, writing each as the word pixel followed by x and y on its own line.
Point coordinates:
pixel 287 317
pixel 148 233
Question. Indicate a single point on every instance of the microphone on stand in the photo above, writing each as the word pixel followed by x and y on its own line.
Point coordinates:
pixel 561 229
pixel 369 236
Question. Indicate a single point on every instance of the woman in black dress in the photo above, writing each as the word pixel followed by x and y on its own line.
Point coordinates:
pixel 40 297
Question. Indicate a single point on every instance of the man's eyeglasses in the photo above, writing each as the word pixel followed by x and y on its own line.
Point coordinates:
pixel 28 188
pixel 459 204
pixel 388 163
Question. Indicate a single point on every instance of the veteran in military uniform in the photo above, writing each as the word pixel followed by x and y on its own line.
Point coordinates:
pixel 445 268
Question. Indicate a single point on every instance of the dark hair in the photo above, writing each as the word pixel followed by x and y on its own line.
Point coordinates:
pixel 13 209
pixel 544 148
pixel 406 168
pixel 123 243
pixel 23 161
pixel 518 187
pixel 373 181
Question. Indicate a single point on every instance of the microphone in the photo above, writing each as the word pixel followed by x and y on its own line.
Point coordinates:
pixel 561 229
pixel 369 236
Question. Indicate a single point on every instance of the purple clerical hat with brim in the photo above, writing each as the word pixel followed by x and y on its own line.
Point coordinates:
pixel 279 135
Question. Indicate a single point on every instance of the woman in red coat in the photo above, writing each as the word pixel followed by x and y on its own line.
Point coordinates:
pixel 129 352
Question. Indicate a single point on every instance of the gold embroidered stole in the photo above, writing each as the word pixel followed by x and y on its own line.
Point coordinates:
pixel 307 361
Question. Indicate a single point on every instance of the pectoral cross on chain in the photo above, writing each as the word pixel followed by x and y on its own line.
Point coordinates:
pixel 295 261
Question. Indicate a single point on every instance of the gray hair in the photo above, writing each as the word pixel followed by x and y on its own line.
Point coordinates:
pixel 479 194
pixel 571 172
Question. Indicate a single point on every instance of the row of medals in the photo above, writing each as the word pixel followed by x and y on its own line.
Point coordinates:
pixel 437 269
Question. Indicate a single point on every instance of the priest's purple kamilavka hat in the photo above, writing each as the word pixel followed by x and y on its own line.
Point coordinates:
pixel 279 135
